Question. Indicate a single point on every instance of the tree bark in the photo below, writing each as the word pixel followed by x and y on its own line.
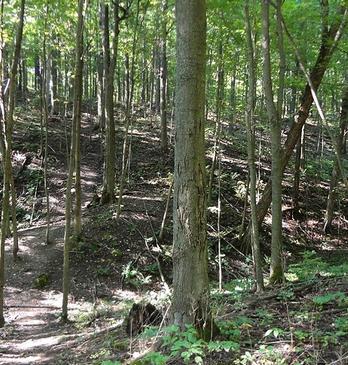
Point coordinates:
pixel 108 195
pixel 190 304
pixel 276 274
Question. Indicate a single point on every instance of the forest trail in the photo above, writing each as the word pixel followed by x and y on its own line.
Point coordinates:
pixel 33 333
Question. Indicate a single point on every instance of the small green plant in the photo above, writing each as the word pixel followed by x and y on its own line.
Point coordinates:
pixel 185 343
pixel 116 252
pixel 320 169
pixel 321 300
pixel 110 362
pixel 311 265
pixel 239 287
pixel 86 317
pixel 301 335
pixel 266 355
pixel 341 325
pixel 133 276
pixel 41 281
pixel 218 346
pixel 286 294
pixel 188 346
pixel 274 332
pixel 265 317
pixel 155 358
pixel 230 330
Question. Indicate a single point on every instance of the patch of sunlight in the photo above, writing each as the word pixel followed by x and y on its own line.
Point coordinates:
pixel 291 277
pixel 32 322
pixel 42 342
pixel 126 295
pixel 24 359
pixel 145 198
pixel 268 219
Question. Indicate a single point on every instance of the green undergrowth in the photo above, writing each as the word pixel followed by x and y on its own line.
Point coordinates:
pixel 299 323
pixel 311 266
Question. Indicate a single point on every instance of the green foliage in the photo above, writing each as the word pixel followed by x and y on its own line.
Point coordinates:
pixel 41 281
pixel 329 297
pixel 34 177
pixel 187 346
pixel 218 346
pixel 86 317
pixel 239 287
pixel 155 358
pixel 286 294
pixel 230 330
pixel 312 265
pixel 266 355
pixel 133 276
pixel 264 316
pixel 274 332
pixel 319 169
pixel 186 343
pixel 21 214
pixel 341 325
pixel 302 335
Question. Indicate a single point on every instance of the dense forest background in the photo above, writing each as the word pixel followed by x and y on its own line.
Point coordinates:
pixel 174 182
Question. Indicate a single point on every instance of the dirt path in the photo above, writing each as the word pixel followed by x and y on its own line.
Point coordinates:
pixel 33 333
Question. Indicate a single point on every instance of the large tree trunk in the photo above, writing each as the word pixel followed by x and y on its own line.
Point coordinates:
pixel 328 45
pixel 190 254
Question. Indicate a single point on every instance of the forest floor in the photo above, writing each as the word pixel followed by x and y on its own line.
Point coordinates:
pixel 119 262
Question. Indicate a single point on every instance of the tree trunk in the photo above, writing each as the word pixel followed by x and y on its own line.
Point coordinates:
pixel 164 137
pixel 44 114
pixel 100 82
pixel 7 130
pixel 219 102
pixel 74 129
pixel 255 241
pixel 233 100
pixel 108 195
pixel 190 302
pixel 274 120
pixel 157 77
pixel 330 206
